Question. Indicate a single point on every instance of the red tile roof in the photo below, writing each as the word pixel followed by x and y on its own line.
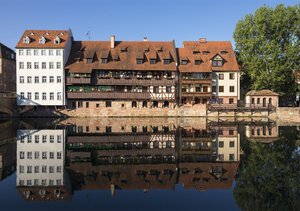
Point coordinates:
pixel 126 60
pixel 35 35
pixel 264 92
pixel 213 48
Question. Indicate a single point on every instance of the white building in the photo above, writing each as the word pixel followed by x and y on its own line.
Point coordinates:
pixel 41 56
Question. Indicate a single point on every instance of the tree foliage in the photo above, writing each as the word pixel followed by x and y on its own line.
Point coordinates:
pixel 268 48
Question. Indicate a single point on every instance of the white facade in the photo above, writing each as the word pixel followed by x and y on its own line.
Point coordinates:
pixel 40 158
pixel 223 79
pixel 227 148
pixel 40 75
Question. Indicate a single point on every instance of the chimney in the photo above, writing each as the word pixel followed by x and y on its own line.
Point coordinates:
pixel 112 41
pixel 145 39
pixel 202 40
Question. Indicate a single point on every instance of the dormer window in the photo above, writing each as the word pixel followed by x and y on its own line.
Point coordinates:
pixel 31 33
pixel 197 62
pixel 159 50
pixel 88 61
pixel 184 62
pixel 104 61
pixel 46 33
pixel 77 60
pixel 166 61
pixel 205 52
pixel 217 63
pixel 26 40
pixel 60 34
pixel 224 52
pixel 196 52
pixel 152 61
pixel 42 40
pixel 139 61
pixel 56 40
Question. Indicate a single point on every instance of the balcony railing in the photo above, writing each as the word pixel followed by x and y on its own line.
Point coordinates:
pixel 196 81
pixel 194 94
pixel 135 81
pixel 109 95
pixel 74 80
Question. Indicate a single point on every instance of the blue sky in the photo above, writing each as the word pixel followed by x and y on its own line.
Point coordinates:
pixel 129 20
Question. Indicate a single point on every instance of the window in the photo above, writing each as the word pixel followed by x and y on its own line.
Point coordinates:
pixel 56 40
pixel 21 79
pixel 51 65
pixel 42 40
pixel 22 155
pixel 221 88
pixel 21 169
pixel 29 139
pixel 29 155
pixel 155 89
pixel 22 95
pixel 107 103
pixel 29 95
pixel 51 95
pixel 220 101
pixel 44 79
pixel 21 52
pixel 224 52
pixel 28 65
pixel 155 104
pixel 87 104
pixel 231 88
pixel 97 105
pixel 103 61
pixel 44 65
pixel 43 52
pixel 28 52
pixel 21 65
pixel 51 170
pixel 231 101
pixel 29 170
pixel 168 89
pixel 58 65
pixel 51 155
pixel 221 144
pixel 44 137
pixel 58 155
pixel 36 52
pixel 221 76
pixel 36 155
pixel 29 79
pixel 58 79
pixel 196 52
pixel 58 138
pixel 108 129
pixel 36 65
pixel 152 61
pixel 36 95
pixel 44 97
pixel 217 63
pixel 58 53
pixel 231 76
pixel 58 95
pixel 134 104
pixel 258 100
pixel 197 62
pixel 51 79
pixel 44 155
pixel 50 52
pixel 58 169
pixel 231 144
pixel 36 79
pixel 221 156
pixel 214 88
pixel 139 61
pixel 231 156
pixel 80 104
pixel 205 52
pixel 166 61
pixel 184 62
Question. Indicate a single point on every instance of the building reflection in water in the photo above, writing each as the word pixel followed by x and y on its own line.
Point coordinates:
pixel 117 154
pixel 40 165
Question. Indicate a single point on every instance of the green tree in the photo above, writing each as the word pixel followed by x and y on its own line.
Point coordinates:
pixel 268 49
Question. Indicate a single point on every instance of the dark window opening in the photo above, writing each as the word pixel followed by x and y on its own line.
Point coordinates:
pixel 166 104
pixel 134 104
pixel 108 129
pixel 197 62
pixel 155 104
pixel 145 104
pixel 152 61
pixel 108 103
pixel 139 61
pixel 80 104
pixel 87 104
pixel 103 61
pixel 166 61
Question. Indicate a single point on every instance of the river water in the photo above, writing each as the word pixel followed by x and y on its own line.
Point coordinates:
pixel 149 164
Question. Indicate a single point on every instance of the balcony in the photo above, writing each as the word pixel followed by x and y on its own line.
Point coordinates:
pixel 109 95
pixel 79 80
pixel 196 94
pixel 135 81
pixel 196 81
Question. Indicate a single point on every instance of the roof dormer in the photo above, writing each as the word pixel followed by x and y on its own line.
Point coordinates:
pixel 31 33
pixel 26 40
pixel 42 40
pixel 60 34
pixel 217 61
pixel 57 40
pixel 46 34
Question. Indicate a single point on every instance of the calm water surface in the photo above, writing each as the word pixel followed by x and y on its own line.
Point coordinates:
pixel 148 164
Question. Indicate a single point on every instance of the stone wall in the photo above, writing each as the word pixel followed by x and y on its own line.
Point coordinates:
pixel 287 114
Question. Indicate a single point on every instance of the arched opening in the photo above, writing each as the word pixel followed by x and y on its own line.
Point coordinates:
pixel 197 100
pixel 145 104
pixel 258 100
pixel 166 104
pixel 134 104
pixel 252 101
pixel 155 104
pixel 270 101
pixel 264 102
